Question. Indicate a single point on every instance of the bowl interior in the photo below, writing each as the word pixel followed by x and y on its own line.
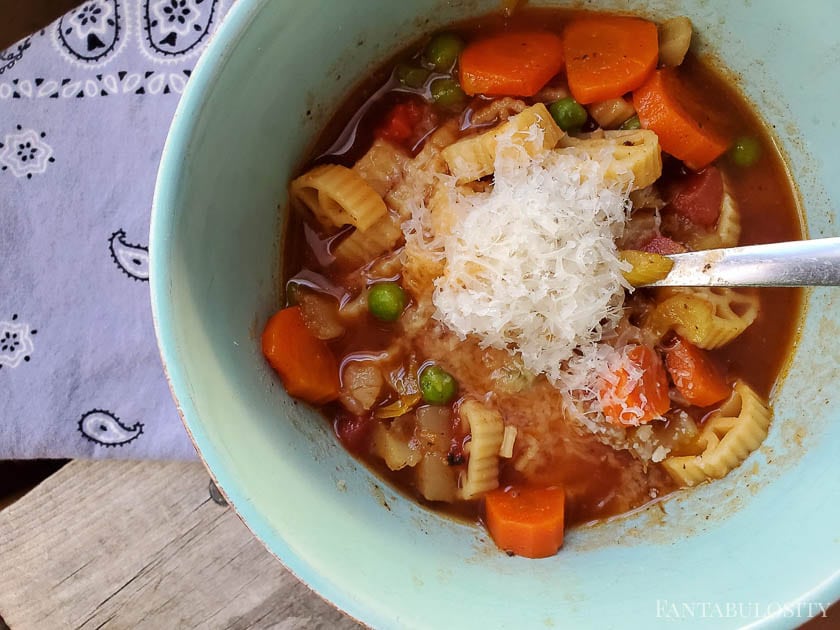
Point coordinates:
pixel 268 82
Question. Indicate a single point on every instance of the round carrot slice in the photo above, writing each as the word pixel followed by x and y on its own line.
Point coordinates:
pixel 666 106
pixel 607 57
pixel 511 64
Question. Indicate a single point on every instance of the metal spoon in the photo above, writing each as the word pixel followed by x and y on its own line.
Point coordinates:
pixel 792 264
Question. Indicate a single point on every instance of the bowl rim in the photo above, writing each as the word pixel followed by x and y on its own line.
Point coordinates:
pixel 207 70
pixel 209 67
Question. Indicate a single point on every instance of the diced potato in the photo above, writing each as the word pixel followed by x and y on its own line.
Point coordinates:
pixel 396 443
pixel 320 313
pixel 382 166
pixel 434 426
pixel 610 114
pixel 647 267
pixel 674 41
pixel 363 381
pixel 436 480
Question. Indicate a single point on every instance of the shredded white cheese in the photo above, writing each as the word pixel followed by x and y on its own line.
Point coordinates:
pixel 508 439
pixel 531 265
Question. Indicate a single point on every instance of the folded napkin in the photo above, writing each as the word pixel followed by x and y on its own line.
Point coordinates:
pixel 85 105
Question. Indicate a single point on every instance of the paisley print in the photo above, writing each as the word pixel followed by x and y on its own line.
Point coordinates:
pixel 16 344
pixel 90 33
pixel 25 153
pixel 10 56
pixel 132 260
pixel 175 28
pixel 104 428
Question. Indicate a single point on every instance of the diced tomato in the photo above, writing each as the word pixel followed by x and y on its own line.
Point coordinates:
pixel 353 431
pixel 699 197
pixel 663 246
pixel 402 122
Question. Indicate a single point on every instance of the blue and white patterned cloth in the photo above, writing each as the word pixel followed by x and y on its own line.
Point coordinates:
pixel 85 105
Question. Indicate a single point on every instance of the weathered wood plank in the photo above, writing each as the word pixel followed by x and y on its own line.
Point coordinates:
pixel 141 545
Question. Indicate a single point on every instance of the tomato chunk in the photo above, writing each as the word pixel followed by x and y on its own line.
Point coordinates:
pixel 699 197
pixel 353 431
pixel 402 123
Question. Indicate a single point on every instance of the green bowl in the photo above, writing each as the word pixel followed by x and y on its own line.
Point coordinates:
pixel 755 548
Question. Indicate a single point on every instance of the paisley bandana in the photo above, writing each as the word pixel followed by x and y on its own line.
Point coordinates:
pixel 85 105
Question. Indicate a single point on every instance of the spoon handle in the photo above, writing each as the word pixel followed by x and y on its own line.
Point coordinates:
pixel 792 264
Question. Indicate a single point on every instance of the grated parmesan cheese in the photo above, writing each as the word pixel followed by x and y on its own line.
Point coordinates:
pixel 531 265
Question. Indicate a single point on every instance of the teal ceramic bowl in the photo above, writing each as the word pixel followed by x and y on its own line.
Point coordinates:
pixel 757 548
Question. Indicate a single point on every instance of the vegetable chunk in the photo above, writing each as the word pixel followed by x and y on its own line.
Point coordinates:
pixel 607 57
pixel 511 64
pixel 526 521
pixel 665 106
pixel 305 363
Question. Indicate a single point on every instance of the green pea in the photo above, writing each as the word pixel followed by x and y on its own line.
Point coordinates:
pixel 386 301
pixel 568 114
pixel 447 92
pixel 412 76
pixel 631 124
pixel 442 51
pixel 437 385
pixel 745 152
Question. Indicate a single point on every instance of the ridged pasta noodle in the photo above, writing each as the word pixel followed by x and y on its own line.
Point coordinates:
pixel 729 435
pixel 708 317
pixel 637 158
pixel 475 157
pixel 362 247
pixel 487 433
pixel 338 196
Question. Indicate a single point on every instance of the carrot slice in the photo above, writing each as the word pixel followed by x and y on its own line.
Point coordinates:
pixel 609 56
pixel 305 363
pixel 525 520
pixel 511 64
pixel 694 374
pixel 669 108
pixel 638 392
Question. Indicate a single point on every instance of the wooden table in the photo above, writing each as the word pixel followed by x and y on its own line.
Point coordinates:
pixel 142 545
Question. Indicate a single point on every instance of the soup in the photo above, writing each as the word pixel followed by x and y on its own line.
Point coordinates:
pixel 462 262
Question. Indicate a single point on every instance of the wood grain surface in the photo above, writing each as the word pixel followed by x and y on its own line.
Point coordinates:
pixel 142 545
